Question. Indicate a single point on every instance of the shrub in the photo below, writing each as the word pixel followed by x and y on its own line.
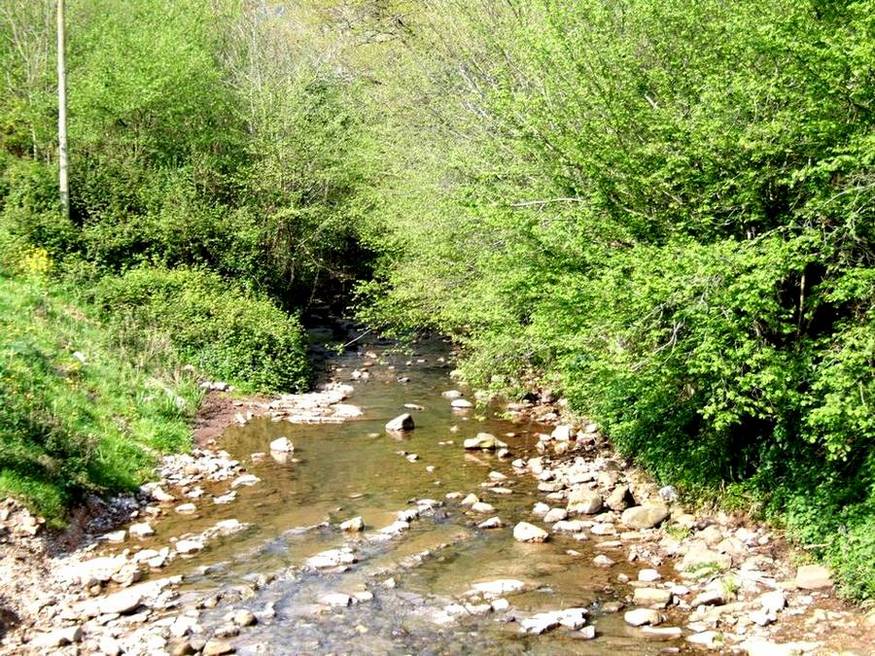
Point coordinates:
pixel 224 330
pixel 79 415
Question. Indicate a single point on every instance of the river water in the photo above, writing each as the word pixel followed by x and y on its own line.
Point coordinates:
pixel 408 581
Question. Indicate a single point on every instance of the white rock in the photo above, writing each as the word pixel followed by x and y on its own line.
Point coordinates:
pixel 282 445
pixel 245 479
pixel 497 588
pixel 602 561
pixel 773 601
pixel 710 639
pixel 332 558
pixel 57 638
pixel 649 575
pixel 525 532
pixel 492 522
pixel 189 546
pixel 141 530
pixel 483 508
pixel 186 508
pixel 642 616
pixel 555 515
pixel 461 404
pixel 353 525
pixel 336 600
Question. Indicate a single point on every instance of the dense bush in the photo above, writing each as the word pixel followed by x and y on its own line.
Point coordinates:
pixel 667 209
pixel 222 329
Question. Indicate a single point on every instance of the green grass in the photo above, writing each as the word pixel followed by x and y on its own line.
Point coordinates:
pixel 80 413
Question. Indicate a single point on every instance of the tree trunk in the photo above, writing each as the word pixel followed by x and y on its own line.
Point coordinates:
pixel 63 185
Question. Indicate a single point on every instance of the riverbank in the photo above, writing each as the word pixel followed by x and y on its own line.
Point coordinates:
pixel 210 560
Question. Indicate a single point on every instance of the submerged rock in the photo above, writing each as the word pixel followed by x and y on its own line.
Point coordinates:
pixel 282 445
pixel 484 442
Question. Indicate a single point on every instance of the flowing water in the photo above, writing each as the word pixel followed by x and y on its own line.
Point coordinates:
pixel 355 468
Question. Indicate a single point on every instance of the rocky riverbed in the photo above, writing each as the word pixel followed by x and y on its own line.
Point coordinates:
pixel 394 511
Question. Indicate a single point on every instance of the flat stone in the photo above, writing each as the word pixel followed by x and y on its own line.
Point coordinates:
pixel 217 647
pixel 115 537
pixel 525 532
pixel 652 597
pixel 141 530
pixel 649 575
pixel 336 600
pixel 699 559
pixel 663 632
pixel 710 639
pixel 497 588
pixel 57 638
pixel 483 507
pixel 642 616
pixel 483 442
pixel 461 404
pixel 568 526
pixel 813 577
pixel 331 558
pixel 710 597
pixel 602 561
pixel 573 618
pixel 245 480
pixel 647 516
pixel 189 546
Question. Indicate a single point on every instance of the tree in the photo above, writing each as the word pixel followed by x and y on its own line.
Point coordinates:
pixel 62 116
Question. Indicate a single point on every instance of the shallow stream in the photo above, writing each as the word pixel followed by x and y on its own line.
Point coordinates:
pixel 355 468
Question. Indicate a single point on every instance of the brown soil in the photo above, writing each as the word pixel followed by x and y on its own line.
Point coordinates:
pixel 218 411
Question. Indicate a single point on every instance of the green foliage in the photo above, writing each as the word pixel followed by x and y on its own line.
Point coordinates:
pixel 222 329
pixel 666 209
pixel 80 414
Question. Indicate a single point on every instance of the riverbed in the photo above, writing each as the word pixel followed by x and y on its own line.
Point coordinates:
pixel 407 592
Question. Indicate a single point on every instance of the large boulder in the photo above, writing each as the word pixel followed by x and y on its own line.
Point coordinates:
pixel 646 516
pixel 813 577
pixel 584 501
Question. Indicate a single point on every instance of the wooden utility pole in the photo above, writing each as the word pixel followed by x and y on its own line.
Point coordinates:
pixel 63 184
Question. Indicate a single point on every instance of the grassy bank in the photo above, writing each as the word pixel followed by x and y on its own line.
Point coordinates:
pixel 81 412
